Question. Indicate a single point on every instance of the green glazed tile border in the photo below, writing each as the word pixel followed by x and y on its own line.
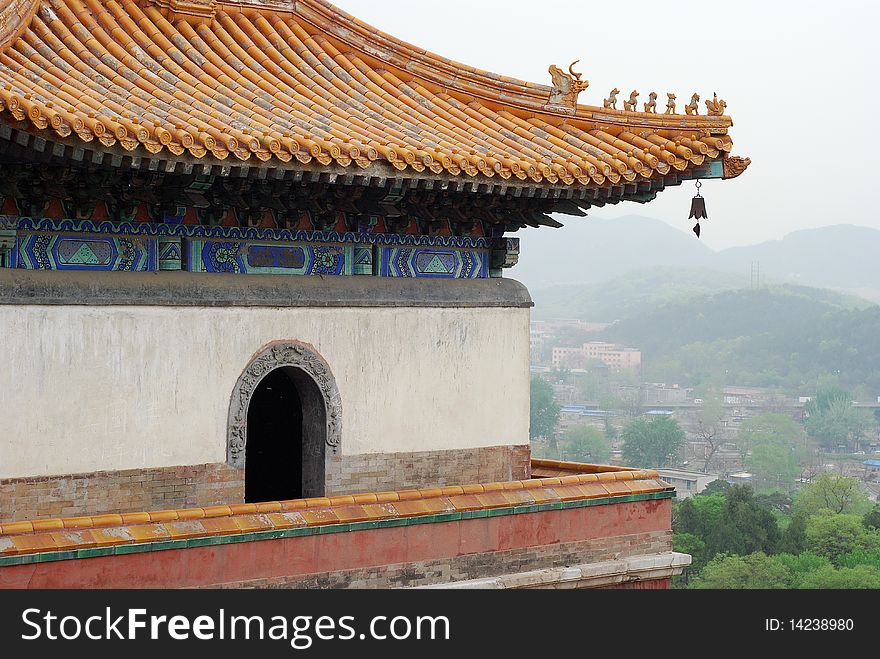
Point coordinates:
pixel 121 550
pixel 95 552
pixel 474 514
pixel 165 545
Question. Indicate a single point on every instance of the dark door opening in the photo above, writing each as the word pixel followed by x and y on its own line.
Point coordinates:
pixel 274 457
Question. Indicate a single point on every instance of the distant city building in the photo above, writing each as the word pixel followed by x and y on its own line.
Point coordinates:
pixel 663 394
pixel 746 395
pixel 614 356
pixel 687 483
pixel 538 335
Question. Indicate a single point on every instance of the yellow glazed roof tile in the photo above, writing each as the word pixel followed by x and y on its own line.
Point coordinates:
pixel 574 482
pixel 302 82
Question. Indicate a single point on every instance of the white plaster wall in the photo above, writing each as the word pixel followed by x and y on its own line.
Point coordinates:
pixel 87 389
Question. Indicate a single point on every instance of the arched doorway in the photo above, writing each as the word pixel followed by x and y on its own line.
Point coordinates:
pixel 274 461
pixel 284 420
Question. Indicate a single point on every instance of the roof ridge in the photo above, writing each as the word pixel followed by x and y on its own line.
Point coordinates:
pixel 456 76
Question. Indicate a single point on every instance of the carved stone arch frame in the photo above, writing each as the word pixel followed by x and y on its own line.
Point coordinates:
pixel 282 354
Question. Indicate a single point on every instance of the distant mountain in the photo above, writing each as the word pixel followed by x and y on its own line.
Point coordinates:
pixel 787 337
pixel 843 256
pixel 630 294
pixel 593 250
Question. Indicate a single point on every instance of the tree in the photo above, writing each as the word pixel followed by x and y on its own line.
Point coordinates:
pixel 800 565
pixel 688 543
pixel 773 446
pixel 834 536
pixel 586 444
pixel 833 420
pixel 772 429
pixel 776 502
pixel 872 519
pixel 837 494
pixel 774 465
pixel 744 526
pixel 710 424
pixel 871 558
pixel 845 578
pixel 544 410
pixel 756 571
pixel 717 487
pixel 590 383
pixel 627 402
pixel 699 515
pixel 652 443
pixel 794 538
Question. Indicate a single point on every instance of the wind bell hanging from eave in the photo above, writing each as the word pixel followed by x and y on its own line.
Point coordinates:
pixel 698 210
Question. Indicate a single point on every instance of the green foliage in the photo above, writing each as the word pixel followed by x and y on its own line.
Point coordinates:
pixel 652 443
pixel 834 536
pixel 544 410
pixel 794 538
pixel 827 395
pixel 834 422
pixel 744 526
pixel 837 494
pixel 772 429
pixel 774 465
pixel 717 487
pixel 774 445
pixel 775 501
pixel 871 558
pixel 699 515
pixel 688 543
pixel 800 565
pixel 756 571
pixel 733 539
pixel 846 578
pixel 872 519
pixel 586 444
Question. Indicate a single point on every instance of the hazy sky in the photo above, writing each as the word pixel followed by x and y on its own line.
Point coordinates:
pixel 800 80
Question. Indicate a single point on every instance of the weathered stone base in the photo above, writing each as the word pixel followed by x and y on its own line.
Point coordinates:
pixel 648 572
pixel 471 570
pixel 201 486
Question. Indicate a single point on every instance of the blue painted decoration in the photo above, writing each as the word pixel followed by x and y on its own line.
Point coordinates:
pixel 86 252
pixel 430 263
pixel 363 260
pixel 170 253
pixel 237 257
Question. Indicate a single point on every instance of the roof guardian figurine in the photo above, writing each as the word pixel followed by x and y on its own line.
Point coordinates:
pixel 566 86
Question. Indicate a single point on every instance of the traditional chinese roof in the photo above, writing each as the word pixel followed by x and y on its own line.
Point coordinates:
pixel 287 85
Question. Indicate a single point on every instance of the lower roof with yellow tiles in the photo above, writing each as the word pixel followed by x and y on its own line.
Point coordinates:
pixel 288 84
pixel 554 486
